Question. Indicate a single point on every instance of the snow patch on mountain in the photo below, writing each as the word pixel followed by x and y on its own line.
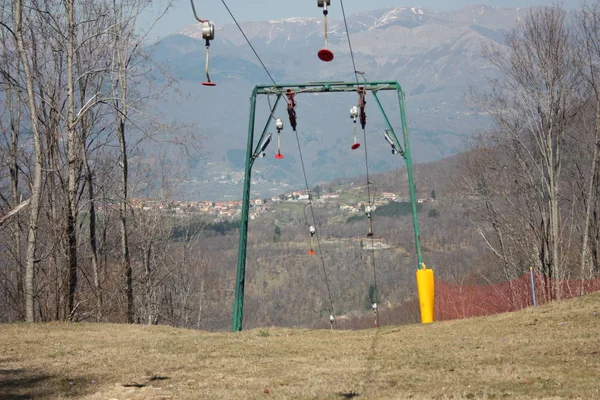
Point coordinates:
pixel 295 20
pixel 397 14
pixel 388 17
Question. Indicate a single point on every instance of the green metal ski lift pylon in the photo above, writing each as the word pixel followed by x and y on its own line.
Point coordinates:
pixel 253 153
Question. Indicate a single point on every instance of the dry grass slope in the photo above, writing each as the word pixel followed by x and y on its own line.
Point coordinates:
pixel 547 352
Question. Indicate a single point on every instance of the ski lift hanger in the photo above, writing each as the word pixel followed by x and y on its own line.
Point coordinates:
pixel 208 33
pixel 325 54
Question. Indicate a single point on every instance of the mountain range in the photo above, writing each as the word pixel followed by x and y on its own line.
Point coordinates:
pixel 435 55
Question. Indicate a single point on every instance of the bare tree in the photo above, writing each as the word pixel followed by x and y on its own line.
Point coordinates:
pixel 36 188
pixel 535 105
pixel 126 46
pixel 73 158
pixel 589 31
pixel 11 139
pixel 67 65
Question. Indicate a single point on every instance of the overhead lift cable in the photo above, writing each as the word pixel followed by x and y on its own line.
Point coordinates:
pixel 369 208
pixel 249 44
pixel 313 232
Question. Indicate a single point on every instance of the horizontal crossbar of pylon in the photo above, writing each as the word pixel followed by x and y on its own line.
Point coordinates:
pixel 336 86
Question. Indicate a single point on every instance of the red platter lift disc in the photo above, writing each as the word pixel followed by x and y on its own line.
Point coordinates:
pixel 325 55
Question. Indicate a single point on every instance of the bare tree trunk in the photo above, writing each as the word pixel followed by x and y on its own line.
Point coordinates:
pixel 73 163
pixel 120 105
pixel 92 235
pixel 125 259
pixel 554 235
pixel 15 113
pixel 56 227
pixel 200 303
pixel 36 188
pixel 149 286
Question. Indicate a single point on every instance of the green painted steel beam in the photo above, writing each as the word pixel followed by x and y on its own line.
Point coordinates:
pixel 411 184
pixel 389 125
pixel 238 306
pixel 251 155
pixel 328 87
pixel 405 152
pixel 256 152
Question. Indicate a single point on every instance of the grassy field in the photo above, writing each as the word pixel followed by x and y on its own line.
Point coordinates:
pixel 548 352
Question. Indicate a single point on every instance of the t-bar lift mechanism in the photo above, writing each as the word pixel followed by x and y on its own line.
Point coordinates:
pixel 325 54
pixel 425 280
pixel 208 34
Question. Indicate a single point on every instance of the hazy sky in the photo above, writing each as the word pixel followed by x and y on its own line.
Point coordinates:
pixel 244 10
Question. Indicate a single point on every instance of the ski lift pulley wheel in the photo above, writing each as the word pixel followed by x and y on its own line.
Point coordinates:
pixel 208 30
